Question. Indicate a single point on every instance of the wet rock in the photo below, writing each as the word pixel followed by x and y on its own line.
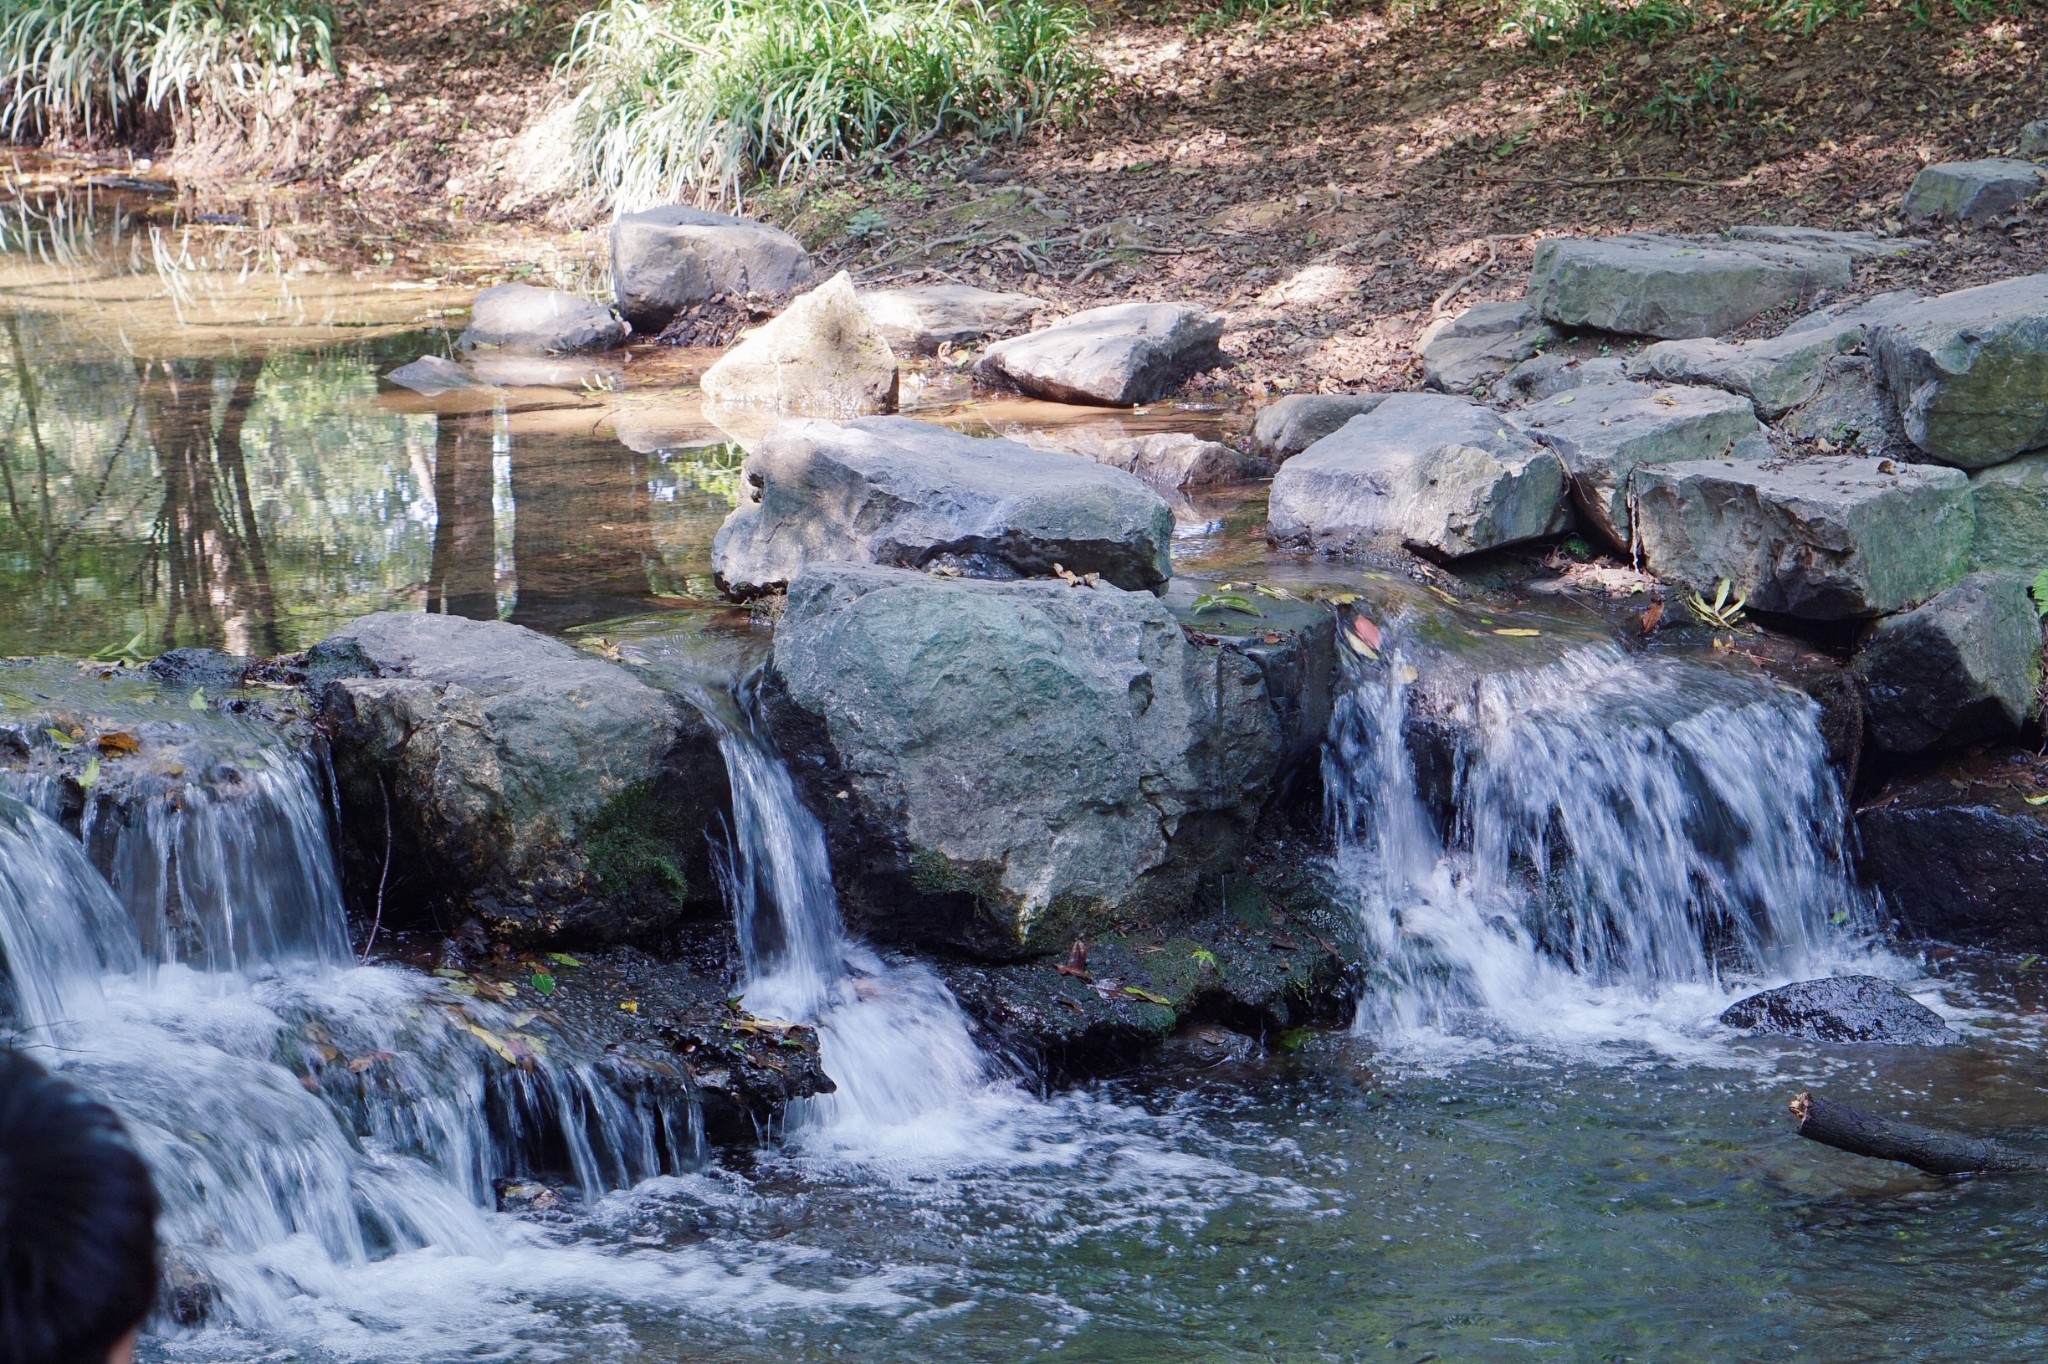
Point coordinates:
pixel 1973 191
pixel 1293 640
pixel 1827 539
pixel 2012 515
pixel 1649 285
pixel 199 669
pixel 431 376
pixel 889 490
pixel 1607 432
pixel 525 1196
pixel 1961 669
pixel 522 318
pixel 1467 352
pixel 666 259
pixel 1850 410
pixel 1177 460
pixel 1969 371
pixel 1007 765
pixel 1841 1009
pixel 746 1070
pixel 1287 426
pixel 2034 140
pixel 1116 356
pixel 822 357
pixel 1961 854
pixel 1776 374
pixel 1440 475
pixel 553 795
pixel 919 319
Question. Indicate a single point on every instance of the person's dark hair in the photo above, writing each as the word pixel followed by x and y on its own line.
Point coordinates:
pixel 78 1267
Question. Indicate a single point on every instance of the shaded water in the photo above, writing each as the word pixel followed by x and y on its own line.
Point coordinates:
pixel 1540 1146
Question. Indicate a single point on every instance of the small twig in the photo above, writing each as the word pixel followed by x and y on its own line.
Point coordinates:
pixel 383 876
pixel 1610 180
pixel 1436 307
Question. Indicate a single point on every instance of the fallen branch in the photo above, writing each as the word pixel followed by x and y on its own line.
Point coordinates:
pixel 1436 306
pixel 1924 1148
pixel 1588 183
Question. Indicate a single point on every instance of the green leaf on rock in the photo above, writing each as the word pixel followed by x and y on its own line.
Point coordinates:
pixel 543 982
pixel 198 701
pixel 91 776
pixel 563 959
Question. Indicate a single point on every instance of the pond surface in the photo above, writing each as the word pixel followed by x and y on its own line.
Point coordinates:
pixel 199 452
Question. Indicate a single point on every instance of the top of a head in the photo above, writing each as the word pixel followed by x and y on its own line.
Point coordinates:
pixel 77 1222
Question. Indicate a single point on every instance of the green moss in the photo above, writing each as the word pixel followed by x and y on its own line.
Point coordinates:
pixel 634 848
pixel 936 874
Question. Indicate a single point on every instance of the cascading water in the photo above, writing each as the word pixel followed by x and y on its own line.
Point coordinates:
pixel 891 1036
pixel 1622 835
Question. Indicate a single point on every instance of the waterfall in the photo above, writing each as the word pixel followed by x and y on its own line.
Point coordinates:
pixel 185 957
pixel 1618 834
pixel 891 1036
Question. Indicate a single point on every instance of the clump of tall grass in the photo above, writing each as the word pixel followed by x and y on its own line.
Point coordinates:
pixel 1567 26
pixel 96 66
pixel 694 98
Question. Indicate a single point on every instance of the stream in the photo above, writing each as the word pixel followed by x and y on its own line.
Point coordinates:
pixel 1536 1142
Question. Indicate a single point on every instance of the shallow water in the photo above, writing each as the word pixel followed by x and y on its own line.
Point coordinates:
pixel 201 453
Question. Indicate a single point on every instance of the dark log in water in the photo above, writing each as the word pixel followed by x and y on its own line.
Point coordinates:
pixel 1924 1148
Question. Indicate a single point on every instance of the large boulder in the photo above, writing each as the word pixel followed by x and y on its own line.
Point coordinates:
pixel 531 320
pixel 1439 475
pixel 1961 853
pixel 821 357
pixel 1969 371
pixel 1006 766
pixel 666 259
pixel 888 490
pixel 1116 356
pixel 1960 669
pixel 918 319
pixel 487 770
pixel 1650 285
pixel 1971 191
pixel 1606 432
pixel 1777 374
pixel 1287 426
pixel 2012 514
pixel 1841 1009
pixel 1467 352
pixel 1828 539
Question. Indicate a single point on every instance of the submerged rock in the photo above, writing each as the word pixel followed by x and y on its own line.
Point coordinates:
pixel 1006 765
pixel 1606 432
pixel 1287 426
pixel 486 770
pixel 889 490
pixel 667 259
pixel 1649 285
pixel 432 375
pixel 1961 852
pixel 520 317
pixel 919 319
pixel 1963 668
pixel 1841 1009
pixel 1969 371
pixel 822 357
pixel 1972 191
pixel 1439 475
pixel 1828 539
pixel 1115 356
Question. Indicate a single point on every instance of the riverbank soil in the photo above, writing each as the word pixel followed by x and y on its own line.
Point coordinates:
pixel 1331 177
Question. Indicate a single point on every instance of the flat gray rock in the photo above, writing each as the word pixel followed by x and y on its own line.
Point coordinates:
pixel 1030 756
pixel 533 321
pixel 1962 668
pixel 2012 514
pixel 1672 287
pixel 1118 356
pixel 1851 411
pixel 1605 432
pixel 1841 1009
pixel 1440 475
pixel 919 319
pixel 1827 539
pixel 888 490
pixel 1464 353
pixel 1177 460
pixel 820 357
pixel 666 259
pixel 1969 371
pixel 1776 374
pixel 1972 191
pixel 431 376
pixel 1287 426
pixel 1862 245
